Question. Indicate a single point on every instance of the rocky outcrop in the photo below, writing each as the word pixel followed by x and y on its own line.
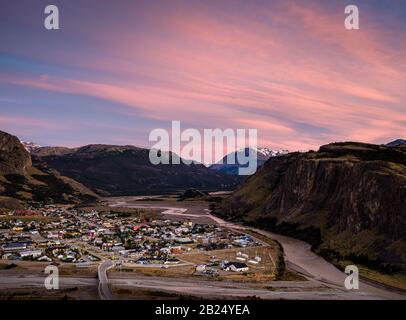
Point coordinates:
pixel 14 158
pixel 348 199
pixel 22 181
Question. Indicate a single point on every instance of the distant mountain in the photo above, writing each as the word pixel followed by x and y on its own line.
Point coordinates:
pixel 21 180
pixel 397 142
pixel 127 170
pixel 267 153
pixel 51 151
pixel 348 200
pixel 263 154
pixel 30 146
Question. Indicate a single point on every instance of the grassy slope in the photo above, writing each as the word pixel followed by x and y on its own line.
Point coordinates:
pixel 38 185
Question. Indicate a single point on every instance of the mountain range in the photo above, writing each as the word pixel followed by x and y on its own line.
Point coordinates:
pixel 127 170
pixel 348 200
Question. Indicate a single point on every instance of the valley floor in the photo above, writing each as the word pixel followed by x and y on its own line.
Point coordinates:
pixel 310 276
pixel 325 281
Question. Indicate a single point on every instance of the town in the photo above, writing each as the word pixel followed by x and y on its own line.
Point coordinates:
pixel 85 237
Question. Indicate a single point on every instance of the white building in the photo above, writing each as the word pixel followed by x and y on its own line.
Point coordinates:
pixel 30 253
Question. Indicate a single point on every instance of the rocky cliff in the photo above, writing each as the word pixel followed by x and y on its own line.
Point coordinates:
pixel 22 181
pixel 14 158
pixel 348 200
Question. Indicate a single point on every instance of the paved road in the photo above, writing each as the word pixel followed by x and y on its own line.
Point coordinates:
pixel 104 289
pixel 298 257
pixel 209 289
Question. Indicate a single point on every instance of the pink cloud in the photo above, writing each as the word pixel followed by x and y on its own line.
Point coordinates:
pixel 30 122
pixel 297 65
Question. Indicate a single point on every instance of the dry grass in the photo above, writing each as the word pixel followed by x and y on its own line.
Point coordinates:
pixel 264 271
pixel 122 292
pixel 71 293
pixel 175 272
pixel 29 218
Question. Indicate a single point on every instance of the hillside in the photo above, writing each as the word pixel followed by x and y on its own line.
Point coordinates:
pixel 126 170
pixel 348 200
pixel 21 180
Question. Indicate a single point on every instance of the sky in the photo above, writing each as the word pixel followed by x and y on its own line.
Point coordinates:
pixel 115 70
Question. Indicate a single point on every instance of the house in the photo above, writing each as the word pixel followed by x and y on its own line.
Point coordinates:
pixel 201 268
pixel 118 249
pixel 171 261
pixel 142 260
pixel 44 258
pixel 234 266
pixel 30 253
pixel 14 246
pixel 240 242
pixel 7 256
pixel 183 240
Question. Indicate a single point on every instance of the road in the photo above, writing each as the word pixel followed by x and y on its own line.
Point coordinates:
pixel 216 289
pixel 104 289
pixel 298 257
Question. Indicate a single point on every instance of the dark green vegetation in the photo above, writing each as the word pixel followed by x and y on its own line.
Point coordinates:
pixel 127 170
pixel 5 266
pixel 193 194
pixel 348 200
pixel 23 180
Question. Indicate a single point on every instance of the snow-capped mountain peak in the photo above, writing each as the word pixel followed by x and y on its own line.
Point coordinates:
pixel 29 145
pixel 270 152
pixel 262 154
